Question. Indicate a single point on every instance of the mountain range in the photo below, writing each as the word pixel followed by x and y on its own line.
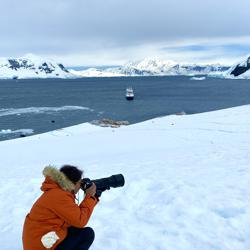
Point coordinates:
pixel 154 67
pixel 31 66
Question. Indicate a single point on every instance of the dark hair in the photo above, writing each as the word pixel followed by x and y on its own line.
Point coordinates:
pixel 73 173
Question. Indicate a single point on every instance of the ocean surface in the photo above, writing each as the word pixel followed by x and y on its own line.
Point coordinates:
pixel 35 106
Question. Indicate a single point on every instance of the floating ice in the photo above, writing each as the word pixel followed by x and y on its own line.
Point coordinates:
pixel 39 110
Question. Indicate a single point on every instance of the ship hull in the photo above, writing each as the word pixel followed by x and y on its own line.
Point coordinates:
pixel 129 98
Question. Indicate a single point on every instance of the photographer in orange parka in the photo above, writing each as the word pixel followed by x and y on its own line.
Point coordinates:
pixel 55 221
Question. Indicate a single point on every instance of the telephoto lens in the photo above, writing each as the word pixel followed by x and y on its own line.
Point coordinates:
pixel 113 181
pixel 104 184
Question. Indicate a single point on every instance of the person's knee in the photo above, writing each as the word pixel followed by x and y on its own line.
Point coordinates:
pixel 90 233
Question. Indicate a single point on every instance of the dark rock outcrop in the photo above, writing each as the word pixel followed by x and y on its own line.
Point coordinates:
pixel 63 68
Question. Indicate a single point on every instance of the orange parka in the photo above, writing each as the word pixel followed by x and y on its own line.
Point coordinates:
pixel 46 224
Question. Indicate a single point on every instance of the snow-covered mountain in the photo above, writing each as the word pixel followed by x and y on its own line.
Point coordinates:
pixel 240 70
pixel 154 67
pixel 31 66
pixel 159 67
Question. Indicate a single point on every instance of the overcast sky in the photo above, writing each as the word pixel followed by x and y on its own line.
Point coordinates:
pixel 111 32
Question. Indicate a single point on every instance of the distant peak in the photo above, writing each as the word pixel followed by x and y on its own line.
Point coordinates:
pixel 151 62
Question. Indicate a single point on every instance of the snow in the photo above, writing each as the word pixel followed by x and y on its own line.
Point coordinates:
pixel 93 72
pixel 244 63
pixel 18 131
pixel 155 66
pixel 187 181
pixel 198 78
pixel 152 67
pixel 32 66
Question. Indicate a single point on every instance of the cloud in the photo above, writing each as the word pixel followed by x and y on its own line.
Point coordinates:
pixel 114 29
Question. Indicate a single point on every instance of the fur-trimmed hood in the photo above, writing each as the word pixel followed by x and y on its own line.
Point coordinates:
pixel 58 177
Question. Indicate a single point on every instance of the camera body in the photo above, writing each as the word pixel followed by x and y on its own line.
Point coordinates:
pixel 104 184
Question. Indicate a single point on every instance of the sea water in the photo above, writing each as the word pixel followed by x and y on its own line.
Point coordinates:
pixel 35 106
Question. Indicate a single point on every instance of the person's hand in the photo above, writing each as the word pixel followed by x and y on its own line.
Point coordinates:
pixel 91 190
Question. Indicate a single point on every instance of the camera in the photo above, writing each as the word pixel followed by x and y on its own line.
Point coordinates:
pixel 104 184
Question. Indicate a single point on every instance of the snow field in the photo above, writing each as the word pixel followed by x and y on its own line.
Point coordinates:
pixel 187 181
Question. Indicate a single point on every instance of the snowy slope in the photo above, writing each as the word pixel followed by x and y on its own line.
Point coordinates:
pixel 31 66
pixel 93 72
pixel 240 70
pixel 187 181
pixel 160 67
pixel 153 67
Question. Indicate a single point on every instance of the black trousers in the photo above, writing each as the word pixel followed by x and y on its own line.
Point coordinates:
pixel 77 239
